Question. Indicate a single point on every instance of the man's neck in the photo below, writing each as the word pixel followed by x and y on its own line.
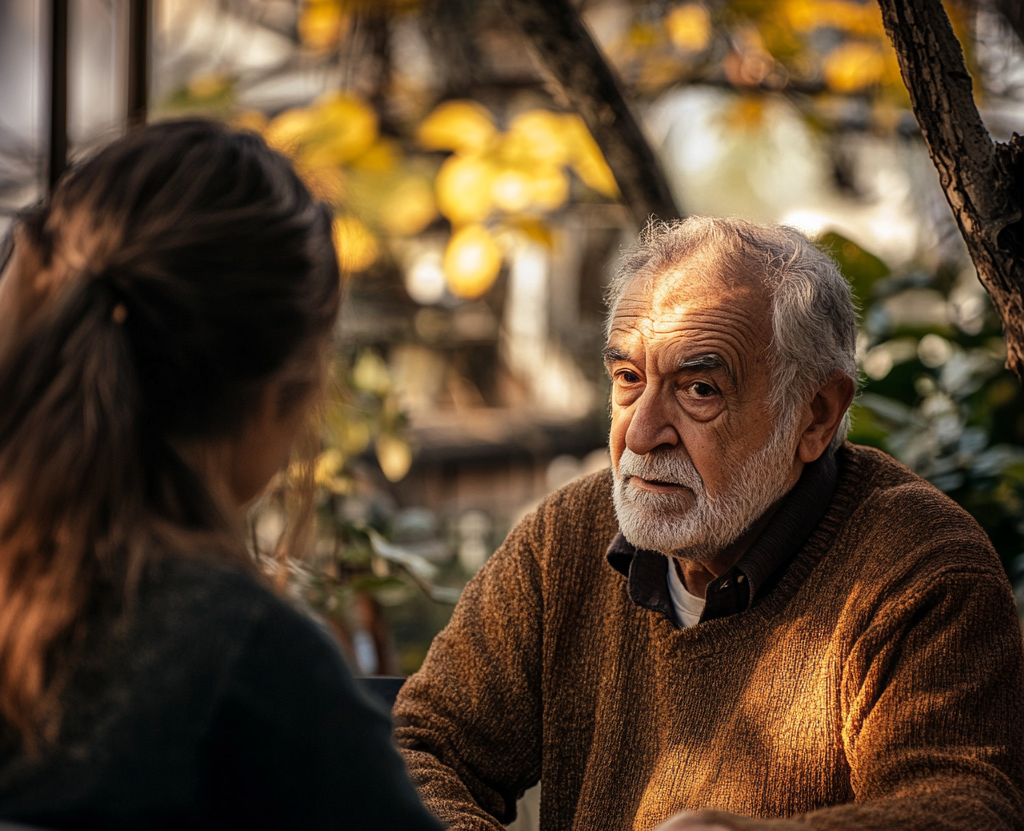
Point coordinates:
pixel 697 575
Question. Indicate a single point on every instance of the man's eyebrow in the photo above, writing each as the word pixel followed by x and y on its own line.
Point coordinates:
pixel 710 361
pixel 613 353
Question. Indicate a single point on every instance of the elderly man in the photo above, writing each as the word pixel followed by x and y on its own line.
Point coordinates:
pixel 747 623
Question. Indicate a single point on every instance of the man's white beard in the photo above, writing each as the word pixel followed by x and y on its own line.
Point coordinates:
pixel 693 525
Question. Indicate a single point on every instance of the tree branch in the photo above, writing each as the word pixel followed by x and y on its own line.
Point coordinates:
pixel 981 178
pixel 567 51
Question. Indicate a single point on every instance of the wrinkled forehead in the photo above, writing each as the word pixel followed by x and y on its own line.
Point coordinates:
pixel 698 284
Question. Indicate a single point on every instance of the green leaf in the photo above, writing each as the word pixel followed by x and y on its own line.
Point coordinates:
pixel 861 268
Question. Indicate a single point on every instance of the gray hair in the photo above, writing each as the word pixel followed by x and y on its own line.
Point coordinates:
pixel 814 320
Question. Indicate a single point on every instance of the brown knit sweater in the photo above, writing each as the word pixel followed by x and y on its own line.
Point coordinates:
pixel 878 685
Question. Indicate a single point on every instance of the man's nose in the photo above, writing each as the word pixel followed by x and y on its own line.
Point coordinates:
pixel 651 426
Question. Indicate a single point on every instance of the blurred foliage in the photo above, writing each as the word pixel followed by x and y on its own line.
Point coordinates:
pixel 492 184
pixel 353 569
pixel 376 189
pixel 936 394
pixel 819 52
pixel 324 25
pixel 498 181
pixel 362 410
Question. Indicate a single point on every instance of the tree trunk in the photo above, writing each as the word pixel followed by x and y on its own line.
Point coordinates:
pixel 981 178
pixel 567 51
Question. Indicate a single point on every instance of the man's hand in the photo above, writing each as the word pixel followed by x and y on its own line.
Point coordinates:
pixel 689 821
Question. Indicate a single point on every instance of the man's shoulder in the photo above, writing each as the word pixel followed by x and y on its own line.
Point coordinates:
pixel 893 508
pixel 582 508
pixel 592 491
pixel 578 518
pixel 876 480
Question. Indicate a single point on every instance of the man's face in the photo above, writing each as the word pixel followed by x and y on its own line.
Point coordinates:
pixel 698 454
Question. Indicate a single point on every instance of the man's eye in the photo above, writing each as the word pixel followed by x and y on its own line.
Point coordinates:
pixel 627 376
pixel 701 390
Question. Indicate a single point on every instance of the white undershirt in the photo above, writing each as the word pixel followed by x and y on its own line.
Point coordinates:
pixel 688 606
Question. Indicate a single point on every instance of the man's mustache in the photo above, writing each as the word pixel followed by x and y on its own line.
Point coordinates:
pixel 661 467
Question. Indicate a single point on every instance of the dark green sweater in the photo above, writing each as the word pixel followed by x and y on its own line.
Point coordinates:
pixel 879 684
pixel 217 706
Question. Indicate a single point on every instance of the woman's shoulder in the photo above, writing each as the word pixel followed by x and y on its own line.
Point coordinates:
pixel 178 599
pixel 189 626
pixel 199 589
pixel 218 610
pixel 196 635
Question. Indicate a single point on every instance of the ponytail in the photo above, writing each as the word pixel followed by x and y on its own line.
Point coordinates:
pixel 146 305
pixel 71 481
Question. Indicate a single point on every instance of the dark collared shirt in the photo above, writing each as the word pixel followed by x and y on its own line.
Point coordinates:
pixel 800 512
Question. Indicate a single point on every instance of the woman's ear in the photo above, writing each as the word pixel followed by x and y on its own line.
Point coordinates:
pixel 826 409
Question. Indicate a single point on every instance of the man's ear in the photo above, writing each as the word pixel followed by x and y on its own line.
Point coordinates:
pixel 825 411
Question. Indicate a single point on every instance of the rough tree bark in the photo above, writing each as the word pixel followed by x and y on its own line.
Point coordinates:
pixel 981 178
pixel 568 52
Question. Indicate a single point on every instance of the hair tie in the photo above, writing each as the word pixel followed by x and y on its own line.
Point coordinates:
pixel 103 280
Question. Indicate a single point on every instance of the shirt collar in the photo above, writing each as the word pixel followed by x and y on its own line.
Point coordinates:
pixel 800 512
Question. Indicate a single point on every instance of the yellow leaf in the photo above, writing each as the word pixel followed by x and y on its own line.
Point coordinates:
pixel 343 128
pixel 588 160
pixel 802 15
pixel 512 149
pixel 287 131
pixel 862 19
pixel 333 131
pixel 328 464
pixel 463 126
pixel 542 134
pixel 464 189
pixel 471 262
pixel 550 188
pixel 357 247
pixel 382 157
pixel 322 24
pixel 329 472
pixel 409 208
pixel 394 456
pixel 854 66
pixel 689 27
pixel 512 190
pixel 370 373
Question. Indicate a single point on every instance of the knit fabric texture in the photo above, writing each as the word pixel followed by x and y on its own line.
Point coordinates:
pixel 878 685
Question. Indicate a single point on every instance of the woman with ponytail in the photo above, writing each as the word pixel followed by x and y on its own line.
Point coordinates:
pixel 164 325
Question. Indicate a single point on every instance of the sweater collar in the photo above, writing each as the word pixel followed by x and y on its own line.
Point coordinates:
pixel 737 589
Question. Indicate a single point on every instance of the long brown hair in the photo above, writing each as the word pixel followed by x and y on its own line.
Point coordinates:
pixel 146 304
